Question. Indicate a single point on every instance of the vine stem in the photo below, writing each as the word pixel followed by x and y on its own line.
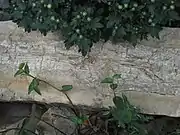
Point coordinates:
pixel 74 108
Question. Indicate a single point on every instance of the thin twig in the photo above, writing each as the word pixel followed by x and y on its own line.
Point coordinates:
pixel 74 108
pixel 76 113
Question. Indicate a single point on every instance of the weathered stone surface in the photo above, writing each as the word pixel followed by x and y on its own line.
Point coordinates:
pixel 60 119
pixel 150 71
pixel 54 121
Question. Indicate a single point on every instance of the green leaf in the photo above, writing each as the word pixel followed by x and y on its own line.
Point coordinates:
pixel 110 24
pixel 84 45
pixel 132 38
pixel 107 80
pixel 26 69
pixel 19 72
pixel 100 11
pixel 174 15
pixel 34 86
pixel 96 24
pixel 121 32
pixel 125 99
pixel 17 15
pixel 99 25
pixel 73 38
pixel 67 87
pixel 113 86
pixel 117 76
pixel 118 102
pixel 123 111
pixel 21 66
pixel 151 9
pixel 31 87
pixel 154 31
pixel 22 6
pixel 37 90
pixel 79 120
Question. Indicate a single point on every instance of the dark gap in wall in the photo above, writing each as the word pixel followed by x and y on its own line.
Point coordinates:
pixel 160 125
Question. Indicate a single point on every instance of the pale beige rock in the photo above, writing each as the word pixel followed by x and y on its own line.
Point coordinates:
pixel 151 71
pixel 60 118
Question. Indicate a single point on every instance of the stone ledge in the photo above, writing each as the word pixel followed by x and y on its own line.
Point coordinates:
pixel 148 71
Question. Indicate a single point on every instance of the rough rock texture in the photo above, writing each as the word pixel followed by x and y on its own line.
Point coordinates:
pixel 54 121
pixel 59 117
pixel 150 72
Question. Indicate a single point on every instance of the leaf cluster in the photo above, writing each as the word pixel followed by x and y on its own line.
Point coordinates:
pixel 83 23
pixel 127 116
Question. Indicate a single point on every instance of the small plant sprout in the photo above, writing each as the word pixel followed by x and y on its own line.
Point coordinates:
pixel 23 69
pixel 111 81
pixel 123 116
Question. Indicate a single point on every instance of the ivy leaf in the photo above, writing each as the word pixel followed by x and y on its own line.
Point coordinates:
pixel 111 21
pixel 21 66
pixel 123 112
pixel 34 86
pixel 67 87
pixel 79 120
pixel 26 68
pixel 17 15
pixel 84 45
pixel 151 9
pixel 31 87
pixel 22 6
pixel 121 32
pixel 118 102
pixel 132 38
pixel 19 72
pixel 73 38
pixel 125 99
pixel 100 11
pixel 113 86
pixel 154 31
pixel 107 80
pixel 110 24
pixel 36 89
pixel 98 25
pixel 117 76
pixel 174 15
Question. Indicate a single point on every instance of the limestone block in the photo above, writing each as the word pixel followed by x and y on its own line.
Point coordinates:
pixel 150 72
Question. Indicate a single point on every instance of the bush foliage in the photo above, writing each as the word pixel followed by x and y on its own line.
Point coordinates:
pixel 85 22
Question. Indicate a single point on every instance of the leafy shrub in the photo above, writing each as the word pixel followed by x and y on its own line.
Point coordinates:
pixel 123 113
pixel 83 23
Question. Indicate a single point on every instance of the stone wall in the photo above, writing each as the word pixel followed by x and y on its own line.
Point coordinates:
pixel 150 72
